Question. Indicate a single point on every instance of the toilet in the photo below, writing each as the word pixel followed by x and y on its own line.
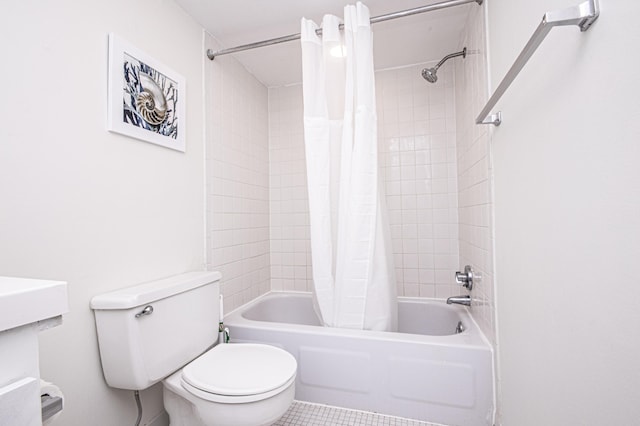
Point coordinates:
pixel 164 331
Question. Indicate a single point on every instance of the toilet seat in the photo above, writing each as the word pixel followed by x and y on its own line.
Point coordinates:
pixel 239 373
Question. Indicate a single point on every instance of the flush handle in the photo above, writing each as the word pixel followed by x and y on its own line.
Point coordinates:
pixel 148 310
pixel 465 278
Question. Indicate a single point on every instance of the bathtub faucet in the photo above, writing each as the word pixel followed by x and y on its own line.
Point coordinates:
pixel 460 300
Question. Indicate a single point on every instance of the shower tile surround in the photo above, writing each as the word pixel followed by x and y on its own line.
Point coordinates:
pixel 417 146
pixel 474 171
pixel 417 164
pixel 237 158
pixel 434 165
pixel 289 201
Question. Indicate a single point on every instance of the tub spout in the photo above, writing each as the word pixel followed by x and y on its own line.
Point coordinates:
pixel 460 300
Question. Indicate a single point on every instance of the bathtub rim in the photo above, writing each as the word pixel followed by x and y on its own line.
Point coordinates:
pixel 471 337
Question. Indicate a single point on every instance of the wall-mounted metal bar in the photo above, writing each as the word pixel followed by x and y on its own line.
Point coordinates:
pixel 401 14
pixel 582 15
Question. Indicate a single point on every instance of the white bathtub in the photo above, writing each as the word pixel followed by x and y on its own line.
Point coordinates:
pixel 425 371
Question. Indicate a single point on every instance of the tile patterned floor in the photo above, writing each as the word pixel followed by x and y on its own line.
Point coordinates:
pixel 308 414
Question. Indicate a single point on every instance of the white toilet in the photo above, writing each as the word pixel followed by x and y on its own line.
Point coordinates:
pixel 163 330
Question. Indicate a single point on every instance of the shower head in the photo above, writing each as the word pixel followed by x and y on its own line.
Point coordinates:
pixel 429 74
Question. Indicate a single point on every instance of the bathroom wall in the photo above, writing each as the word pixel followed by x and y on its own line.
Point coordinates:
pixel 567 218
pixel 474 171
pixel 80 204
pixel 237 141
pixel 416 139
pixel 417 143
pixel 288 202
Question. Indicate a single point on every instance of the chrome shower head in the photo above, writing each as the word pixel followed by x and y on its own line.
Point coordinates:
pixel 429 74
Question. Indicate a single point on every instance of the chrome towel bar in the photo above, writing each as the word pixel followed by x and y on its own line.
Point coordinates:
pixel 582 15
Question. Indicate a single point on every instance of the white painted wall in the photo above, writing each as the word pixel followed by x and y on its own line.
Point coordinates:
pixel 79 204
pixel 567 217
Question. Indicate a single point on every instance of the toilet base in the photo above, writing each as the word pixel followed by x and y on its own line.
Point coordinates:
pixel 186 409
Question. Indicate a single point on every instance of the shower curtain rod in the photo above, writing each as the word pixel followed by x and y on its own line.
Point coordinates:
pixel 401 14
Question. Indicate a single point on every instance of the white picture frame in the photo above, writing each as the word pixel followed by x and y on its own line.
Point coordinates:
pixel 146 99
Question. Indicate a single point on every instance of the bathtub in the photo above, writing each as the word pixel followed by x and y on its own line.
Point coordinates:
pixel 426 371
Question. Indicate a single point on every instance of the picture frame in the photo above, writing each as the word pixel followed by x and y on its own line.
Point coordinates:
pixel 146 99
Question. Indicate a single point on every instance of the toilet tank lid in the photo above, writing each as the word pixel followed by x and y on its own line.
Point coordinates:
pixel 151 291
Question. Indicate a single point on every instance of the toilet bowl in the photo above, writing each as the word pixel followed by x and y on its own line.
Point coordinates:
pixel 239 384
pixel 165 330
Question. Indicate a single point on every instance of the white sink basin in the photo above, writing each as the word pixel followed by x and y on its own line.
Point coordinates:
pixel 24 301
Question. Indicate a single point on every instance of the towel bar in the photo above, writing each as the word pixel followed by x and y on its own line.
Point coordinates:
pixel 582 15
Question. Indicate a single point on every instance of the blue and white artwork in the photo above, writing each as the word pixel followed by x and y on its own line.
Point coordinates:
pixel 146 98
pixel 150 98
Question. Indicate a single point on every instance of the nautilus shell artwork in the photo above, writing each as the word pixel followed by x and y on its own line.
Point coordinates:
pixel 150 102
pixel 150 98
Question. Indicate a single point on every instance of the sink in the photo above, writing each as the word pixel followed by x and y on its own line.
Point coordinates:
pixel 25 300
pixel 27 306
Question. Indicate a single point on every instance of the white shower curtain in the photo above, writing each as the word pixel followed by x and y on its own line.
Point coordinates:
pixel 353 272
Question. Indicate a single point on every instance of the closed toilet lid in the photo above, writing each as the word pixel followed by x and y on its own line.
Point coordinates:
pixel 238 369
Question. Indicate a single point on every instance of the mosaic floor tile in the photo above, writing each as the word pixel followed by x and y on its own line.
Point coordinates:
pixel 308 414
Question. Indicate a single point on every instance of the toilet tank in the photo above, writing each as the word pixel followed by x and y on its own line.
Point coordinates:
pixel 148 331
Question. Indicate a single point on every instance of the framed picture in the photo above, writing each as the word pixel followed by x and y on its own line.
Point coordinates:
pixel 146 98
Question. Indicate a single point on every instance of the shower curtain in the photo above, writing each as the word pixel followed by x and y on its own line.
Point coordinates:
pixel 353 272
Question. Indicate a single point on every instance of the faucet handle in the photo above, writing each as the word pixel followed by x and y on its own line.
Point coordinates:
pixel 465 278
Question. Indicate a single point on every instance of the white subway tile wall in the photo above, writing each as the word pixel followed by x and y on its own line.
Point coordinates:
pixel 289 202
pixel 237 158
pixel 417 146
pixel 474 171
pixel 434 168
